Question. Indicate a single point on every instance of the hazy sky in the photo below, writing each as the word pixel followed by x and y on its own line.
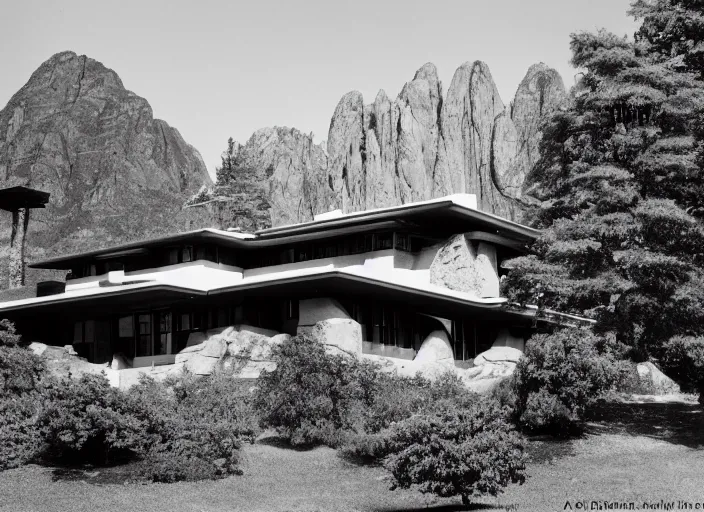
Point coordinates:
pixel 215 69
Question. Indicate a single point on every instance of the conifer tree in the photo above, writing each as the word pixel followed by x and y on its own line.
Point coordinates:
pixel 621 187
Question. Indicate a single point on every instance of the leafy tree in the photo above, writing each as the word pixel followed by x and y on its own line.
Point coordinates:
pixel 673 28
pixel 620 186
pixel 458 451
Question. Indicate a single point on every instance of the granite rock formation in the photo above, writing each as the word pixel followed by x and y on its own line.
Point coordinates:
pixel 113 171
pixel 419 146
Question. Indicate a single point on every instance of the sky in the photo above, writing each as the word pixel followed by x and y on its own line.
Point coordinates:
pixel 216 69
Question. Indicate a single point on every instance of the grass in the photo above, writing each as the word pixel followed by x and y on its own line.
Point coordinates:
pixel 641 452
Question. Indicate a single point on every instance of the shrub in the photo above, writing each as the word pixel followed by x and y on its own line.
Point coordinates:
pixel 87 419
pixel 682 360
pixel 203 422
pixel 20 441
pixel 559 378
pixel 457 451
pixel 21 376
pixel 313 397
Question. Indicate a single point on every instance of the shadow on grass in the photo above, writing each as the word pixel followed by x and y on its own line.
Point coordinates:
pixel 444 508
pixel 677 423
pixel 545 449
pixel 280 442
pixel 107 475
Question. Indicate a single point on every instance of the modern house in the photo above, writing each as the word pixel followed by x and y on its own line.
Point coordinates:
pixel 397 273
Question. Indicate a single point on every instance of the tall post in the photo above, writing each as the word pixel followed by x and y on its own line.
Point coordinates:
pixel 18 243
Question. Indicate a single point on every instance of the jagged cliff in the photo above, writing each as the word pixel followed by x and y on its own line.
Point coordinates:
pixel 113 171
pixel 419 146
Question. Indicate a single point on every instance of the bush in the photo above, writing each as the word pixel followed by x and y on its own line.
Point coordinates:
pixel 20 441
pixel 559 378
pixel 203 423
pixel 682 360
pixel 21 377
pixel 313 397
pixel 458 451
pixel 86 419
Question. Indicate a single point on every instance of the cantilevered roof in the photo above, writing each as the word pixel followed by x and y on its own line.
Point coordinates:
pixel 14 198
pixel 455 209
pixel 441 217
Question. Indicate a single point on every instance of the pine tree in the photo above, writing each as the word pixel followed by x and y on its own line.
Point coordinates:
pixel 621 185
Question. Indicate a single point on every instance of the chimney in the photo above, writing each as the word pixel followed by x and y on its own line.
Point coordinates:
pixel 19 201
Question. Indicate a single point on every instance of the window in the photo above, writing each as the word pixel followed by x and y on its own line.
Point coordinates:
pixel 186 254
pixel 172 257
pixel 163 345
pixel 184 322
pixel 144 335
pixel 383 241
pixel 125 335
pixel 403 242
pixel 206 252
pixel 290 309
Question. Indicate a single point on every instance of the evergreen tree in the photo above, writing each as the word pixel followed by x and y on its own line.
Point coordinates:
pixel 621 186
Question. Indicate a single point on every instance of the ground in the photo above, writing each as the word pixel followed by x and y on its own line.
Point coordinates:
pixel 644 452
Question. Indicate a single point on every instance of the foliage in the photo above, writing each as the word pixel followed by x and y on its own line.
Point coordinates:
pixel 20 441
pixel 457 451
pixel 559 378
pixel 22 375
pixel 88 420
pixel 312 397
pixel 622 189
pixel 203 423
pixel 683 360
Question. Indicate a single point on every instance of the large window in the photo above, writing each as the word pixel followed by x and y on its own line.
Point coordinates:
pixel 144 335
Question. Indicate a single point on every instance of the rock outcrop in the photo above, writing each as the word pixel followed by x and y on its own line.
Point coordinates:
pixel 74 130
pixel 419 146
pixel 466 266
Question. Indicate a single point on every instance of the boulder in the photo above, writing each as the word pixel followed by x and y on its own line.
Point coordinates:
pixel 37 347
pixel 119 362
pixel 498 355
pixel 435 348
pixel 506 339
pixel 654 381
pixel 338 334
pixel 459 266
pixel 312 311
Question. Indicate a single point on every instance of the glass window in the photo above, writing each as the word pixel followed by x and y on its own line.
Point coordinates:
pixel 89 331
pixel 125 327
pixel 164 340
pixel 184 323
pixel 187 254
pixel 144 338
pixel 172 256
pixel 383 241
pixel 222 317
pixel 78 332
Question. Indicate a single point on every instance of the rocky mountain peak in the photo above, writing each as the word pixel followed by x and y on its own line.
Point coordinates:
pixel 75 131
pixel 423 144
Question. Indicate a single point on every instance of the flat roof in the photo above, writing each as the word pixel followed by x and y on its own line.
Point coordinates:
pixel 445 215
pixel 14 198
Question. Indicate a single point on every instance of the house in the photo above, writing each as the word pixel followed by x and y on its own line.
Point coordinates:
pixel 378 282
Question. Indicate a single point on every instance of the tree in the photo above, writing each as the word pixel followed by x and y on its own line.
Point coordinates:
pixel 621 188
pixel 458 451
pixel 673 28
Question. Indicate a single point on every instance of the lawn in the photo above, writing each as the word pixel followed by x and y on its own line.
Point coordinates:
pixel 640 452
